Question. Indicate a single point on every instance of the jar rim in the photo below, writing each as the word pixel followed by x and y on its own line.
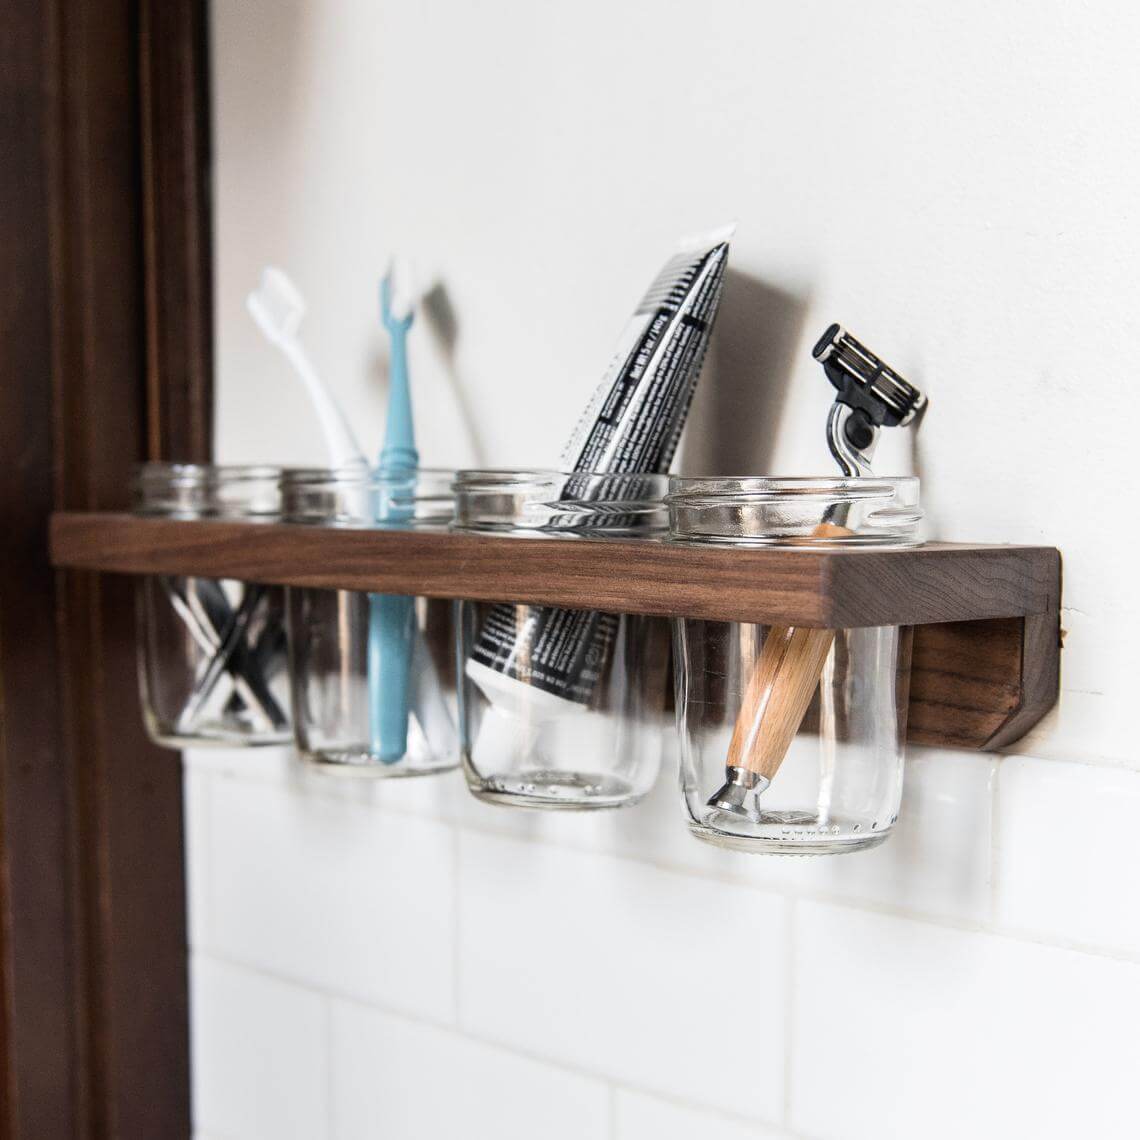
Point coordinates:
pixel 204 490
pixel 365 497
pixel 191 472
pixel 549 501
pixel 691 490
pixel 470 478
pixel 356 474
pixel 765 510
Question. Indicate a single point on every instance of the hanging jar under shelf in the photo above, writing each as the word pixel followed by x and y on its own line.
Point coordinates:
pixel 212 653
pixel 373 674
pixel 792 737
pixel 560 708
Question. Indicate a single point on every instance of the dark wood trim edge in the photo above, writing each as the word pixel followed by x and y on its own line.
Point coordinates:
pixel 178 288
pixel 104 358
pixel 1039 681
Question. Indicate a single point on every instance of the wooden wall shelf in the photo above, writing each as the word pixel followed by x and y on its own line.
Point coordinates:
pixel 986 648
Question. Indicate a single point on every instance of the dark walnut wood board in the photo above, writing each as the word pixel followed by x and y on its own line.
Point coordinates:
pixel 986 643
pixel 105 361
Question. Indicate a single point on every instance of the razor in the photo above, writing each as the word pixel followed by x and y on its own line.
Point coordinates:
pixel 870 396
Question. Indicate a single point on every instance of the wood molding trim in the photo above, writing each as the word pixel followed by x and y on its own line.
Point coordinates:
pixel 175 157
pixel 104 361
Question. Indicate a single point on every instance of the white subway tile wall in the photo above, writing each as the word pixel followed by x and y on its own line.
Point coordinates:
pixel 1067 845
pixel 334 894
pixel 907 1029
pixel 641 1117
pixel 196 838
pixel 612 967
pixel 259 1054
pixel 394 960
pixel 546 981
pixel 393 1077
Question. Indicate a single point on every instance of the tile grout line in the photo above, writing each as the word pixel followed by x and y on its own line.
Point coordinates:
pixel 791 937
pixel 993 926
pixel 995 836
pixel 447 814
pixel 867 906
pixel 824 897
pixel 456 932
pixel 545 1060
pixel 205 894
pixel 223 957
pixel 328 1005
pixel 294 765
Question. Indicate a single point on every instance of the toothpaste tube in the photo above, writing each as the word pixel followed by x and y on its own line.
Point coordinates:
pixel 631 425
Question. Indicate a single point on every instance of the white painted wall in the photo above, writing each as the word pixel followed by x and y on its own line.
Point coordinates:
pixel 956 182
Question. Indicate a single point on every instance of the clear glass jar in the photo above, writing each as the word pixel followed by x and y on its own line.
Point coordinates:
pixel 560 709
pixel 792 738
pixel 212 654
pixel 373 675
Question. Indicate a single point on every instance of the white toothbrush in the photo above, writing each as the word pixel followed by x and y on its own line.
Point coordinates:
pixel 278 307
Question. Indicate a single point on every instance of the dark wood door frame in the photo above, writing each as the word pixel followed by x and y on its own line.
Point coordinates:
pixel 105 359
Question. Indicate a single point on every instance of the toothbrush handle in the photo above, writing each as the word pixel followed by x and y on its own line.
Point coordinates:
pixel 391 632
pixel 391 629
pixel 338 435
pixel 392 618
pixel 780 689
pixel 399 436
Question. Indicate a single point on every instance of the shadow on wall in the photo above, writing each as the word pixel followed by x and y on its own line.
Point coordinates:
pixel 917 467
pixel 740 398
pixel 265 48
pixel 441 319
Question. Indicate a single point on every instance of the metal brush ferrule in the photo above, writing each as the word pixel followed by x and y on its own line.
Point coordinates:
pixel 741 788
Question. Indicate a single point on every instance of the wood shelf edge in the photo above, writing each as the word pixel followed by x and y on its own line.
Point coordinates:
pixel 820 588
pixel 985 654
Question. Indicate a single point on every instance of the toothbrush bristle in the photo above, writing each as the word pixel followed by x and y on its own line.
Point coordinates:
pixel 399 294
pixel 277 303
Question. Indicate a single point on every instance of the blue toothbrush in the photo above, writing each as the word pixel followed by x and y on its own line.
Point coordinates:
pixel 391 617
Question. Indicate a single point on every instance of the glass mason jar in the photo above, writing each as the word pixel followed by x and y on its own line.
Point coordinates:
pixel 560 709
pixel 792 738
pixel 212 655
pixel 373 674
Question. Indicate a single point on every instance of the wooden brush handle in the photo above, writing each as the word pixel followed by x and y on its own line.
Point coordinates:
pixel 779 691
pixel 777 696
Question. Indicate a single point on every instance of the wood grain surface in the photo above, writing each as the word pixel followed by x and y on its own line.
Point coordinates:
pixel 104 361
pixel 826 589
pixel 986 650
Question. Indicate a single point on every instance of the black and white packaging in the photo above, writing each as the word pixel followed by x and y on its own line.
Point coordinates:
pixel 631 426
